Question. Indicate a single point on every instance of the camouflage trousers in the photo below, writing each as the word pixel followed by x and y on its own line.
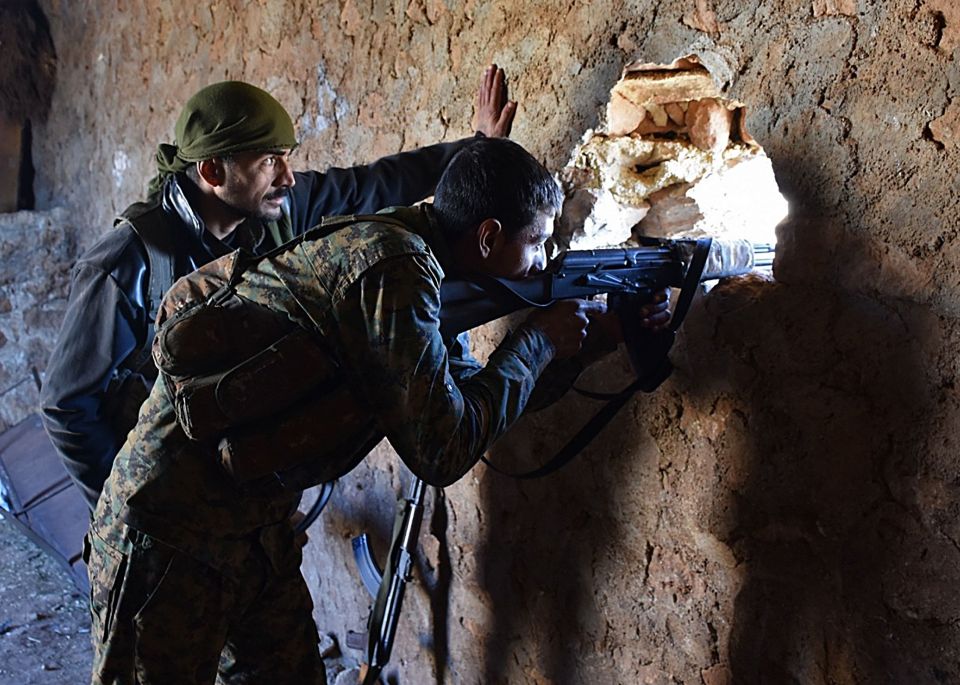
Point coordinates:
pixel 161 617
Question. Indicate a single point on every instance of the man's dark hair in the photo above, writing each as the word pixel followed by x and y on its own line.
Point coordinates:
pixel 493 178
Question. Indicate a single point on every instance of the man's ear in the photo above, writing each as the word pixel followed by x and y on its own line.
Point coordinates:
pixel 211 171
pixel 489 234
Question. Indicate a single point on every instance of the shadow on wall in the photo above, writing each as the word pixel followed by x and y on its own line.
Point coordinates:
pixel 834 406
pixel 544 538
pixel 849 578
pixel 842 571
pixel 566 560
pixel 840 568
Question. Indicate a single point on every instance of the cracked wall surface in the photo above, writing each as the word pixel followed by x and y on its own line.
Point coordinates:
pixel 785 508
pixel 36 253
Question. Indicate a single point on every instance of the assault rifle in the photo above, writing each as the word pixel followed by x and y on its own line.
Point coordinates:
pixel 629 277
pixel 632 271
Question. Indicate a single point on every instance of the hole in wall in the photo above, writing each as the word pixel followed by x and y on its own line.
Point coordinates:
pixel 27 79
pixel 673 159
pixel 16 166
pixel 11 162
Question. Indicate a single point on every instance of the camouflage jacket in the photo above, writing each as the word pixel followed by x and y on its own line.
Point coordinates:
pixel 372 290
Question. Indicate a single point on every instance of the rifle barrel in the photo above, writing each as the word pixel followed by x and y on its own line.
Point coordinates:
pixel 763 255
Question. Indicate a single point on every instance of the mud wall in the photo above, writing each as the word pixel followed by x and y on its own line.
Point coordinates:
pixel 36 253
pixel 785 508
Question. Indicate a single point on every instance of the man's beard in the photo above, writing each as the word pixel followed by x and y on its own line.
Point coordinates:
pixel 259 212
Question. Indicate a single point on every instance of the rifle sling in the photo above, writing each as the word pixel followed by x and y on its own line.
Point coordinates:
pixel 615 401
pixel 690 282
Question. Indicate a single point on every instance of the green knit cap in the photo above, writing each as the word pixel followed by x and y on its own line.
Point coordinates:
pixel 222 119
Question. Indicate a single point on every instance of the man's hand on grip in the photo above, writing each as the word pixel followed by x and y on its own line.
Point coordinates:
pixel 565 324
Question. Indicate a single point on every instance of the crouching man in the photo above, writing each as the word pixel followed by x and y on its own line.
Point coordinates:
pixel 194 570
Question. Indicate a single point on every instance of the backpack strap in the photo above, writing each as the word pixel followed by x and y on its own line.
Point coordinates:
pixel 157 239
pixel 326 226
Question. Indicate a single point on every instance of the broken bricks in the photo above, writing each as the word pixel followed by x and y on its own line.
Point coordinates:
pixel 674 159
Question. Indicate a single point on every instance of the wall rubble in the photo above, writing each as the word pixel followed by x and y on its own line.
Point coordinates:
pixel 673 158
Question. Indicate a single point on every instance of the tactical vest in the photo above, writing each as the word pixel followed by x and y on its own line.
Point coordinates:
pixel 130 383
pixel 267 392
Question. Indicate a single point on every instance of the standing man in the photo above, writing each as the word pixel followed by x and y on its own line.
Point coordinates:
pixel 195 576
pixel 226 183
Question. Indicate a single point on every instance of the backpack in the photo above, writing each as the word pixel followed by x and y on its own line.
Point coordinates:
pixel 131 382
pixel 268 393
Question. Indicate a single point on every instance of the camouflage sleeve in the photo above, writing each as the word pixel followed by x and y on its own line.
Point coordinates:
pixel 561 374
pixel 438 424
pixel 552 384
pixel 463 364
pixel 555 381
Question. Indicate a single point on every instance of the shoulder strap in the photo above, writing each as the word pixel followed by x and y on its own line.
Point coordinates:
pixel 158 242
pixel 326 226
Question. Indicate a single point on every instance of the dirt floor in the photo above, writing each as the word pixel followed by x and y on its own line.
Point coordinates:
pixel 44 625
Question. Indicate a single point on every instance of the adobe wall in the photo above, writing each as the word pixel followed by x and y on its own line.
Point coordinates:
pixel 785 508
pixel 37 250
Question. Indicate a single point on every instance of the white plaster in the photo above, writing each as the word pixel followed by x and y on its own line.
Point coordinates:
pixel 121 163
pixel 331 108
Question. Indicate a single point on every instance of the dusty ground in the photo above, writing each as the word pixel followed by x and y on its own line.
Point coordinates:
pixel 44 626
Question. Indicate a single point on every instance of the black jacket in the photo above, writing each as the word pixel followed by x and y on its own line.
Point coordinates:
pixel 107 333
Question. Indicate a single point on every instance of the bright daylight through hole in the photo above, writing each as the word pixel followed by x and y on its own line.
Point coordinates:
pixel 674 160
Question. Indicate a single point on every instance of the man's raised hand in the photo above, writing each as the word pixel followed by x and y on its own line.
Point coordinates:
pixel 494 111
